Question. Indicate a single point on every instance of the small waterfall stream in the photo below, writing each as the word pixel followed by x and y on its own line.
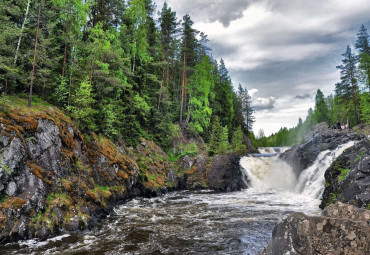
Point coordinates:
pixel 201 222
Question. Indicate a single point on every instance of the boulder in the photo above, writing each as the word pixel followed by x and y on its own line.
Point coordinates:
pixel 342 229
pixel 226 174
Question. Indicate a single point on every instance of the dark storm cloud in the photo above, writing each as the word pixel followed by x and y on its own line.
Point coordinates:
pixel 303 97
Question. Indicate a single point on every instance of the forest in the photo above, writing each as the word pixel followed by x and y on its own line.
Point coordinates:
pixel 121 69
pixel 350 103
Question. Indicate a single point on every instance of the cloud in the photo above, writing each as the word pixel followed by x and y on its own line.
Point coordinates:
pixel 261 103
pixel 285 50
pixel 210 11
pixel 302 97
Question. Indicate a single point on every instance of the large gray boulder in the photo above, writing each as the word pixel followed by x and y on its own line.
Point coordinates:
pixel 226 174
pixel 342 229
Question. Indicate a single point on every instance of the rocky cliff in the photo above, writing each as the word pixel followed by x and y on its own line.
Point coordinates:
pixel 321 138
pixel 54 179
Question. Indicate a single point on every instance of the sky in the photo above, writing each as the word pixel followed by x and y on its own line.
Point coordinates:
pixel 282 51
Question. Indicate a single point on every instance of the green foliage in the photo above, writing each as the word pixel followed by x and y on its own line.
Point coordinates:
pixel 365 107
pixel 118 71
pixel 359 156
pixel 190 149
pixel 201 83
pixel 237 139
pixel 343 174
pixel 321 108
pixel 62 92
pixel 81 106
pixel 224 143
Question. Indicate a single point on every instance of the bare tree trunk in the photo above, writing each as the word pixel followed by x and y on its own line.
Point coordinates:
pixel 20 36
pixel 92 72
pixel 34 58
pixel 70 78
pixel 160 91
pixel 188 117
pixel 183 85
pixel 6 86
pixel 64 60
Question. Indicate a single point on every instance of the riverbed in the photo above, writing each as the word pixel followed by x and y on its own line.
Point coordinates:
pixel 186 222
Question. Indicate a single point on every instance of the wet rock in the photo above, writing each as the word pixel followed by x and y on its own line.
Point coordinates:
pixel 343 229
pixel 43 233
pixel 348 178
pixel 59 215
pixel 226 174
pixel 73 224
pixel 322 138
pixel 11 189
pixel 13 155
pixel 171 175
pixel 187 161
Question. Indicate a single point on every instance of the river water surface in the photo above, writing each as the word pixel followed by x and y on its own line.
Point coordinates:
pixel 193 222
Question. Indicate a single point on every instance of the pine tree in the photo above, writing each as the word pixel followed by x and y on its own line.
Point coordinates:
pixel 347 89
pixel 201 83
pixel 321 108
pixel 247 108
pixel 189 44
pixel 363 47
pixel 237 140
pixel 216 136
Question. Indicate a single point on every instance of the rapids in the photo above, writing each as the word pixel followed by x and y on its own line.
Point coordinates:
pixel 201 222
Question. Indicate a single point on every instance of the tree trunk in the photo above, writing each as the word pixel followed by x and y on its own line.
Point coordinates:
pixel 6 86
pixel 20 36
pixel 64 60
pixel 70 77
pixel 183 84
pixel 92 72
pixel 188 117
pixel 34 57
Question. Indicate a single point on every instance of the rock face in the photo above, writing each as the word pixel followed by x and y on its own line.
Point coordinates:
pixel 226 174
pixel 348 178
pixel 321 138
pixel 342 229
pixel 53 179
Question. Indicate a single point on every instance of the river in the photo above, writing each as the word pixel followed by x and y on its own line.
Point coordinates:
pixel 199 222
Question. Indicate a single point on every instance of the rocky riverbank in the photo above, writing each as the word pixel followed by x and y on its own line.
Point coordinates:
pixel 343 228
pixel 54 179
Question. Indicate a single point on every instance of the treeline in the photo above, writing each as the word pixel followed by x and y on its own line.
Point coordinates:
pixel 350 103
pixel 120 72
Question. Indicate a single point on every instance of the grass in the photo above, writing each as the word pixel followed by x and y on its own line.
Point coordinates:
pixel 343 174
pixel 333 196
pixel 19 103
pixel 360 155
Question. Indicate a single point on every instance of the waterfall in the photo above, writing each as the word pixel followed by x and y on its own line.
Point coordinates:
pixel 266 170
pixel 312 180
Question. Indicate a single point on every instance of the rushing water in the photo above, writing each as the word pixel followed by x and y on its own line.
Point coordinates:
pixel 202 222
